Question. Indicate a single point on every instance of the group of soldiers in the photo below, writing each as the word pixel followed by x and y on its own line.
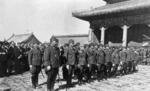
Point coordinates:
pixel 14 58
pixel 81 62
pixel 96 60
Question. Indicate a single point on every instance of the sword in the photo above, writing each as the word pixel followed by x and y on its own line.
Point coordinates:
pixel 59 78
pixel 42 74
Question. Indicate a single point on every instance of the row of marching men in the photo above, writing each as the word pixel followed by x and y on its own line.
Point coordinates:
pixel 83 62
pixel 93 59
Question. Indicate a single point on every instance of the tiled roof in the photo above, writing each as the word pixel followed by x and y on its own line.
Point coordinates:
pixel 19 38
pixel 114 8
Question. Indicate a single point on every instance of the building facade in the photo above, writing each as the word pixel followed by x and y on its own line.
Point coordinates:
pixel 118 22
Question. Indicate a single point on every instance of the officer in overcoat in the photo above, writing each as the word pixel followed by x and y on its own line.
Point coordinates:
pixel 101 64
pixel 123 61
pixel 108 54
pixel 91 60
pixel 52 63
pixel 115 61
pixel 71 61
pixel 82 62
pixel 35 61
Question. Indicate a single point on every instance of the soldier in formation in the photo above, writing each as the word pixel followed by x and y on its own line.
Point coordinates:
pixel 104 61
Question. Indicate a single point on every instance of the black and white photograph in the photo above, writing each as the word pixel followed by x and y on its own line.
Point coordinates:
pixel 74 45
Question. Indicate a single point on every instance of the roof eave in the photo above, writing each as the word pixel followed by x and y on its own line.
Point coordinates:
pixel 80 17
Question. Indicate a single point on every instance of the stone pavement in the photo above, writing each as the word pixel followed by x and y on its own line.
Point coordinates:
pixel 139 81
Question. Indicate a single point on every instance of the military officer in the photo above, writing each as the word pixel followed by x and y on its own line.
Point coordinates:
pixel 71 61
pixel 91 60
pixel 52 63
pixel 82 62
pixel 35 61
pixel 136 60
pixel 115 61
pixel 128 59
pixel 108 60
pixel 101 63
pixel 123 61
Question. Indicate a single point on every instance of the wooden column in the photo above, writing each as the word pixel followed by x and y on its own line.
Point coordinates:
pixel 125 31
pixel 102 35
pixel 90 35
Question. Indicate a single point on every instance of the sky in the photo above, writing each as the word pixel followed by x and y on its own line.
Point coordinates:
pixel 43 17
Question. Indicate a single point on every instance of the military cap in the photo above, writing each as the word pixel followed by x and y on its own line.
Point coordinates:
pixel 71 41
pixel 91 44
pixel 77 44
pixel 86 45
pixel 53 39
pixel 66 44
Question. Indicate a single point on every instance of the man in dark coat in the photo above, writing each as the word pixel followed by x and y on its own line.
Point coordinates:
pixel 2 59
pixel 17 54
pixel 91 60
pixel 64 61
pixel 52 63
pixel 123 61
pixel 26 52
pixel 108 54
pixel 82 62
pixel 101 63
pixel 35 61
pixel 129 59
pixel 71 61
pixel 115 61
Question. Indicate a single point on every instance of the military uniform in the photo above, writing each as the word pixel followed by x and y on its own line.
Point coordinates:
pixel 82 62
pixel 51 58
pixel 136 60
pixel 35 60
pixel 91 54
pixel 128 59
pixel 115 61
pixel 123 62
pixel 108 61
pixel 71 62
pixel 64 61
pixel 100 57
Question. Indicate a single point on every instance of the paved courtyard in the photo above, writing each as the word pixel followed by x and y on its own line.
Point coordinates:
pixel 139 81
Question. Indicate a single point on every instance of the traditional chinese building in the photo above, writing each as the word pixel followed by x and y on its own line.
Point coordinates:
pixel 119 21
pixel 24 38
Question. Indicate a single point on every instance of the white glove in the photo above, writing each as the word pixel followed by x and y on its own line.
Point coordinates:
pixel 30 66
pixel 121 63
pixel 113 64
pixel 48 67
pixel 67 66
pixel 88 65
